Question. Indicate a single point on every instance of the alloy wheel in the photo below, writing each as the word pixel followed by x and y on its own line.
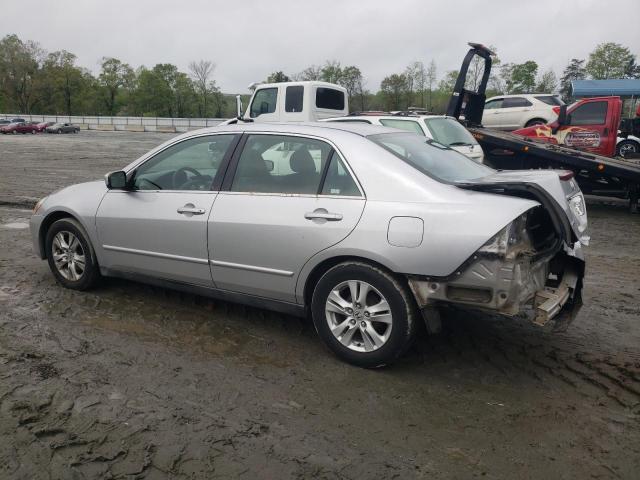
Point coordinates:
pixel 68 255
pixel 359 316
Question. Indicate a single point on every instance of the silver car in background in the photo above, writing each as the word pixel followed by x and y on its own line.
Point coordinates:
pixel 364 228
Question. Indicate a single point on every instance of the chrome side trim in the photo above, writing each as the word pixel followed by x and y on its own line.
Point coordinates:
pixel 147 253
pixel 252 268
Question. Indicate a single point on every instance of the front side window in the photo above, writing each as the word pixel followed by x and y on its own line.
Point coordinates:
pixel 449 132
pixel 294 99
pixel 408 125
pixel 329 98
pixel 493 104
pixel 264 101
pixel 516 102
pixel 281 164
pixel 188 165
pixel 431 158
pixel 592 113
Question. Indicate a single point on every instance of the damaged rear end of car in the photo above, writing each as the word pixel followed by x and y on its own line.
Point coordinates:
pixel 533 267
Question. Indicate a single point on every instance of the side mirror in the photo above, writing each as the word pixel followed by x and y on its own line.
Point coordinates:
pixel 116 180
pixel 270 165
pixel 563 119
pixel 562 115
pixel 239 107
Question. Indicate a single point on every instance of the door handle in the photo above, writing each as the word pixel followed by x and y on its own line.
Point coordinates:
pixel 191 209
pixel 323 215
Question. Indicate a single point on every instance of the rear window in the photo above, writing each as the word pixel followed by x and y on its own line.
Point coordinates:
pixel 431 158
pixel 408 125
pixel 293 100
pixel 516 102
pixel 553 100
pixel 449 132
pixel 329 98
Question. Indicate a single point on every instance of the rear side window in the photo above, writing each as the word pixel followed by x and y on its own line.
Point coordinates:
pixel 338 180
pixel 408 125
pixel 264 101
pixel 491 104
pixel 294 99
pixel 329 98
pixel 516 102
pixel 553 100
pixel 593 113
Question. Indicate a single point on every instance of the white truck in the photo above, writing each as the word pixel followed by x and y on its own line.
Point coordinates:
pixel 293 102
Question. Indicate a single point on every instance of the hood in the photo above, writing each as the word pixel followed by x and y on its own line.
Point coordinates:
pixel 556 190
pixel 474 152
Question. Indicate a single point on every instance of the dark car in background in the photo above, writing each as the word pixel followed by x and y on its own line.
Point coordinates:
pixel 18 120
pixel 4 122
pixel 62 128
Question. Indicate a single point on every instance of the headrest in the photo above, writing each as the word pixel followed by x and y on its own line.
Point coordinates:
pixel 301 161
pixel 252 164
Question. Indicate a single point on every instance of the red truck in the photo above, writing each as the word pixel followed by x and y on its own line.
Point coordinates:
pixel 590 125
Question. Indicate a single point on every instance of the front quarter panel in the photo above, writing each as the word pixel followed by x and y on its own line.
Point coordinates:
pixel 79 201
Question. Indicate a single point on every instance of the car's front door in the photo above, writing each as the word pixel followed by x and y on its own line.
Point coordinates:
pixel 588 128
pixel 158 226
pixel 284 199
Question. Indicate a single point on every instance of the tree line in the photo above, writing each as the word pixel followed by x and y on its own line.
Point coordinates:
pixel 34 81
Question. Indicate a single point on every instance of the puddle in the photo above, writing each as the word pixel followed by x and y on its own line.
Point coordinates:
pixel 16 225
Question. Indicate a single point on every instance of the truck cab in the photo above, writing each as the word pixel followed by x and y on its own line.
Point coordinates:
pixel 590 125
pixel 307 101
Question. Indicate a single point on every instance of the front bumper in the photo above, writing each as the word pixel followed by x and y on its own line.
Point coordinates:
pixel 34 227
pixel 539 290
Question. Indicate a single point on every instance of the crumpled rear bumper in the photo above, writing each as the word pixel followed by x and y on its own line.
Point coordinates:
pixel 514 287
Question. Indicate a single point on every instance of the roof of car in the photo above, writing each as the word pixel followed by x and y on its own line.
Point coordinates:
pixel 378 117
pixel 307 127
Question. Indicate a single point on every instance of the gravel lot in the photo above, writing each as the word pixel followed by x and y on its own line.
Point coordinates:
pixel 130 381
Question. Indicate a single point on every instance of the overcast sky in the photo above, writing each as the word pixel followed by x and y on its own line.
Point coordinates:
pixel 250 39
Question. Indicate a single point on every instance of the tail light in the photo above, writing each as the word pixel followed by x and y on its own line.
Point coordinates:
pixel 556 110
pixel 565 175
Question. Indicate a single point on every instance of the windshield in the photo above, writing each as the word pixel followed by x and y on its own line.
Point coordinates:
pixel 449 132
pixel 430 157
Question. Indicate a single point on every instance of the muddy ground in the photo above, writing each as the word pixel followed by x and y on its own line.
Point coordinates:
pixel 130 381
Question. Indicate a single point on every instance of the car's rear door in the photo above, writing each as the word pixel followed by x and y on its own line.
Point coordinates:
pixel 284 199
pixel 513 112
pixel 159 228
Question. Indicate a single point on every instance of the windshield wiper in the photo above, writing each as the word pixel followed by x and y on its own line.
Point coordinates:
pixel 460 144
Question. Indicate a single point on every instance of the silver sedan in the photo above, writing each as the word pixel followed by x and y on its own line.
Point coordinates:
pixel 367 229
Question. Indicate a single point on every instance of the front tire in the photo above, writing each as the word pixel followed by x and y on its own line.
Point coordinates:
pixel 363 314
pixel 70 255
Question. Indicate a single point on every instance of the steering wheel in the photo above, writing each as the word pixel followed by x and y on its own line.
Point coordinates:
pixel 180 178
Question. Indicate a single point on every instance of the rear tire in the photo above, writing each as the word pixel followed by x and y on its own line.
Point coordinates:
pixel 376 327
pixel 626 147
pixel 535 121
pixel 70 255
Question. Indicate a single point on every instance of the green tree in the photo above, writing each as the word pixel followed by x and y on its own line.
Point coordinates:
pixel 548 82
pixel 114 75
pixel 519 77
pixel 432 76
pixel 609 60
pixel 277 77
pixel 19 68
pixel 574 71
pixel 65 81
pixel 205 87
pixel 393 89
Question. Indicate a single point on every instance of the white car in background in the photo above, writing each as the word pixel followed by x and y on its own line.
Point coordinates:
pixel 440 128
pixel 510 112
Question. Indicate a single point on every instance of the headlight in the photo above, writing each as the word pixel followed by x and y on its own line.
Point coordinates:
pixel 577 205
pixel 38 205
